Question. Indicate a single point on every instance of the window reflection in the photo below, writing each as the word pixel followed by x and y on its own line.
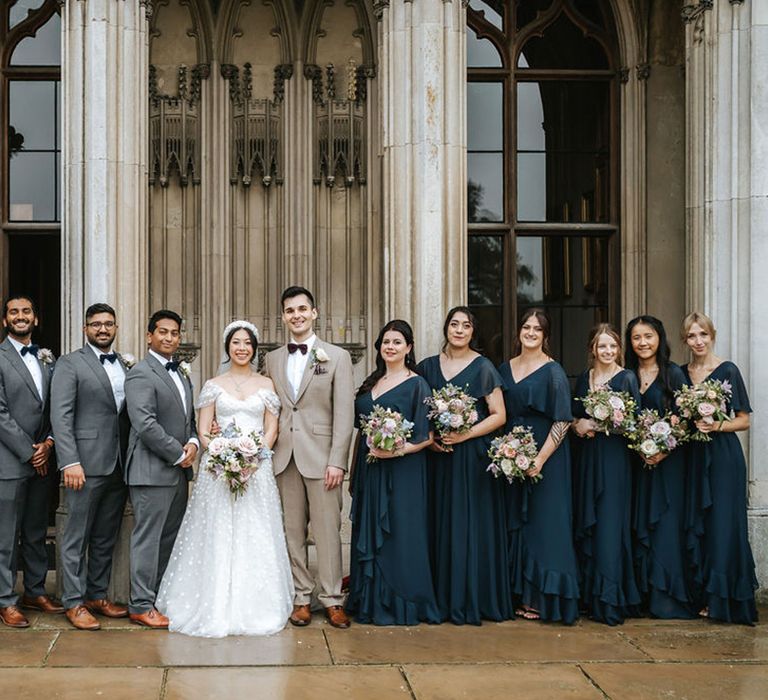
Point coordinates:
pixel 32 105
pixel 485 187
pixel 492 10
pixel 21 9
pixel 486 292
pixel 43 49
pixel 485 116
pixel 481 53
pixel 33 187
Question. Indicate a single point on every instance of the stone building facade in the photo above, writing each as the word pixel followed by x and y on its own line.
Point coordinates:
pixel 601 157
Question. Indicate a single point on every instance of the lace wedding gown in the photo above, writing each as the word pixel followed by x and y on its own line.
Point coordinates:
pixel 229 572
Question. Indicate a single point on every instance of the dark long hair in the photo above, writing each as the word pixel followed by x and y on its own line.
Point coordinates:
pixel 546 326
pixel 405 329
pixel 632 361
pixel 474 343
pixel 254 342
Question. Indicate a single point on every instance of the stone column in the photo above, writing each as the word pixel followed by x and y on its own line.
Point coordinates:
pixel 727 207
pixel 105 51
pixel 422 102
pixel 104 72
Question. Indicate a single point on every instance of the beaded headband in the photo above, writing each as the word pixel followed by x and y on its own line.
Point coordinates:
pixel 235 325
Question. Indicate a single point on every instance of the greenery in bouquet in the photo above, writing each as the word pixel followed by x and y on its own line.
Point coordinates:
pixel 451 410
pixel 513 455
pixel 706 402
pixel 656 434
pixel 235 456
pixel 612 411
pixel 385 429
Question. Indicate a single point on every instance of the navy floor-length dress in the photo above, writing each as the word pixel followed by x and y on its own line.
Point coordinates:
pixel 471 567
pixel 390 576
pixel 721 557
pixel 544 570
pixel 602 514
pixel 658 519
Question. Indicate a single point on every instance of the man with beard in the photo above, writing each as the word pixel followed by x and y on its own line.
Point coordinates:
pixel 91 425
pixel 25 446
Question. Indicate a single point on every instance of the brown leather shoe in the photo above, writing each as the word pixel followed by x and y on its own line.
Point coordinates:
pixel 81 618
pixel 42 603
pixel 106 607
pixel 301 616
pixel 337 617
pixel 151 618
pixel 13 617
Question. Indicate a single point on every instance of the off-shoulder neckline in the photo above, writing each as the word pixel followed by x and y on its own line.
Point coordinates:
pixel 232 396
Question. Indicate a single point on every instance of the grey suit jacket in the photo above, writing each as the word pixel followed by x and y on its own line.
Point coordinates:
pixel 316 425
pixel 23 416
pixel 159 425
pixel 85 420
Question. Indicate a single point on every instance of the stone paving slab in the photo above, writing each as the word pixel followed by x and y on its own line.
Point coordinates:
pixel 528 681
pixel 681 681
pixel 160 648
pixel 73 684
pixel 24 647
pixel 304 683
pixel 703 642
pixel 490 643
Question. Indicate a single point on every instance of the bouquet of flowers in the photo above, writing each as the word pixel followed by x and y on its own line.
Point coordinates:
pixel 235 456
pixel 655 434
pixel 385 429
pixel 451 409
pixel 612 411
pixel 706 401
pixel 513 454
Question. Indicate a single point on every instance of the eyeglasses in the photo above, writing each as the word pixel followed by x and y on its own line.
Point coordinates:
pixel 95 325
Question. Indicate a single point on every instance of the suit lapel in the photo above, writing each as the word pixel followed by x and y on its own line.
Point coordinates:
pixel 187 384
pixel 18 364
pixel 98 369
pixel 281 374
pixel 162 372
pixel 45 374
pixel 309 371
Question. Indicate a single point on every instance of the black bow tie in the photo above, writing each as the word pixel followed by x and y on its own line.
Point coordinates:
pixel 172 366
pixel 293 347
pixel 108 357
pixel 32 349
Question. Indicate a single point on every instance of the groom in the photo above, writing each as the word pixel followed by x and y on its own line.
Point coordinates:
pixel 314 382
pixel 161 449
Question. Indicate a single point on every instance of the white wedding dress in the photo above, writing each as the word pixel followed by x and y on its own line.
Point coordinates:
pixel 229 572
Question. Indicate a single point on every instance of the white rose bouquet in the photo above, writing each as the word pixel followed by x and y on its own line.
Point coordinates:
pixel 235 456
pixel 655 434
pixel 513 455
pixel 451 410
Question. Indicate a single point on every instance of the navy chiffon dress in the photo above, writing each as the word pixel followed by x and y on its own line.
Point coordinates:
pixel 390 577
pixel 602 514
pixel 471 567
pixel 544 569
pixel 658 514
pixel 724 578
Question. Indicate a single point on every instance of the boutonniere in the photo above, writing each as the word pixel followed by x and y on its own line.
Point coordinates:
pixel 127 359
pixel 185 368
pixel 319 357
pixel 45 356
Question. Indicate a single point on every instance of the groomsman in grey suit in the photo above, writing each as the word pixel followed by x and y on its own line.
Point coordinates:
pixel 25 446
pixel 161 449
pixel 91 426
pixel 314 382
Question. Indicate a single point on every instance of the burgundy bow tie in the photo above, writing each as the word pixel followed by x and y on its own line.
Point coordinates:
pixel 293 347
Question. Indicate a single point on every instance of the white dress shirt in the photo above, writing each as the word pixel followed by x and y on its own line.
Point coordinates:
pixel 33 365
pixel 297 363
pixel 115 374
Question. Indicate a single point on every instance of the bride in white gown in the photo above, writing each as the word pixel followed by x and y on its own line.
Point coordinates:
pixel 229 572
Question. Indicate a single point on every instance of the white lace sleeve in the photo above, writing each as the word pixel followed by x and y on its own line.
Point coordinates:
pixel 271 401
pixel 208 395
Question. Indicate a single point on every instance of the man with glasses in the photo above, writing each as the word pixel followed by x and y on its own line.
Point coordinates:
pixel 25 447
pixel 88 412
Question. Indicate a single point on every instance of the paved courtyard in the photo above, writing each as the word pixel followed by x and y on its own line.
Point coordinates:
pixel 642 660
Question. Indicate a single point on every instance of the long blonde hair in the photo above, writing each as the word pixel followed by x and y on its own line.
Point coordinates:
pixel 594 335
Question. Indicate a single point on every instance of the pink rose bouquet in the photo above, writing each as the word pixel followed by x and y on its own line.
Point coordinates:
pixel 513 455
pixel 451 410
pixel 655 434
pixel 612 411
pixel 235 456
pixel 385 429
pixel 707 402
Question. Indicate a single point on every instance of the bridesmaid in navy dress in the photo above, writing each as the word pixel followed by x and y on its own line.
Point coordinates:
pixel 725 581
pixel 545 577
pixel 469 521
pixel 390 577
pixel 658 509
pixel 603 491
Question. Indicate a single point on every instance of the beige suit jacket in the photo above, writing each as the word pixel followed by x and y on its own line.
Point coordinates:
pixel 316 425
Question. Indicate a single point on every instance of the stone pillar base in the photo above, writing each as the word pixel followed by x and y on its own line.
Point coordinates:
pixel 757 520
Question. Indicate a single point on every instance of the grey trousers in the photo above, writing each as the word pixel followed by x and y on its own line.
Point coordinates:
pixel 94 515
pixel 24 507
pixel 158 512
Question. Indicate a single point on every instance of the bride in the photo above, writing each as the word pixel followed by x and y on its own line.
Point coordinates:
pixel 229 571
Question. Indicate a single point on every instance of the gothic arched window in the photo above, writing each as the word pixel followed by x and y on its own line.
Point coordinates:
pixel 542 99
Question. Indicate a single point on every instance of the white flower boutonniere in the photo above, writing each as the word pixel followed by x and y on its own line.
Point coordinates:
pixel 319 358
pixel 45 356
pixel 185 368
pixel 127 359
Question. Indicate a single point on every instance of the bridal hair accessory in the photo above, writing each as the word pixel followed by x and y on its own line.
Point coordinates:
pixel 235 325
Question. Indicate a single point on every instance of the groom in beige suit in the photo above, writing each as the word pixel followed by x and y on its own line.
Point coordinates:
pixel 314 382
